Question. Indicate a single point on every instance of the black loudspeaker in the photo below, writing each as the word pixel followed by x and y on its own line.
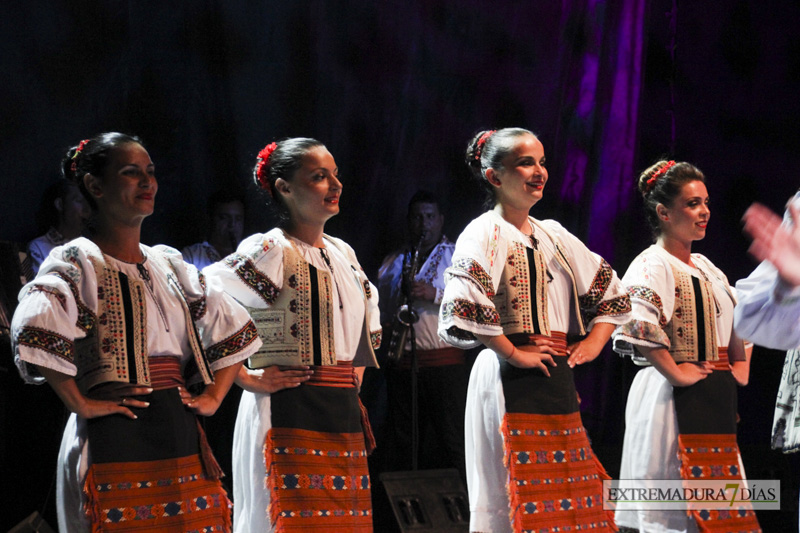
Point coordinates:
pixel 33 524
pixel 428 500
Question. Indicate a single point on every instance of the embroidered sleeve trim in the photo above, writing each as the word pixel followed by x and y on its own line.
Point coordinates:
pixel 650 296
pixel 233 344
pixel 615 306
pixel 47 341
pixel 471 311
pixel 86 318
pixel 375 338
pixel 602 279
pixel 253 278
pixel 474 271
pixel 639 329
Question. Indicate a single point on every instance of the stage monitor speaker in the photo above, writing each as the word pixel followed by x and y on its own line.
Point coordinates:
pixel 33 524
pixel 428 500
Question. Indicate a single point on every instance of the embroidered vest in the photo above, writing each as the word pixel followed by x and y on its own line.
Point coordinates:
pixel 692 329
pixel 521 295
pixel 115 346
pixel 297 327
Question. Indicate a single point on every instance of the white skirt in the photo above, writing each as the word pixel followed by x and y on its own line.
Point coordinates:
pixel 250 495
pixel 73 464
pixel 650 450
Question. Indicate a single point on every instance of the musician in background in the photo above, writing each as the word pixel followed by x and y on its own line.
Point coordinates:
pixel 415 274
pixel 226 211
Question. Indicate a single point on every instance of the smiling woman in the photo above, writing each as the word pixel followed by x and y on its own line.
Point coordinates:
pixel 681 330
pixel 118 329
pixel 520 286
pixel 301 426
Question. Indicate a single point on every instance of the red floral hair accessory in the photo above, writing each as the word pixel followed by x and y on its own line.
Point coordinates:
pixel 651 182
pixel 78 150
pixel 482 141
pixel 261 167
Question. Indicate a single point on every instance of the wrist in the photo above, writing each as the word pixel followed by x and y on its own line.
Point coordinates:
pixel 506 358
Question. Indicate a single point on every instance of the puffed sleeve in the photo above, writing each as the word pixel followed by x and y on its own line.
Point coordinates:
pixel 467 306
pixel 253 274
pixel 53 313
pixel 227 333
pixel 602 296
pixel 650 284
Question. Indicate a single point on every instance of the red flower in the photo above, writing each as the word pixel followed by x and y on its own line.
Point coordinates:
pixel 262 166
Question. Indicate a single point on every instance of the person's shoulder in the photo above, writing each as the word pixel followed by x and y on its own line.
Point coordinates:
pixel 260 244
pixel 345 248
pixel 481 225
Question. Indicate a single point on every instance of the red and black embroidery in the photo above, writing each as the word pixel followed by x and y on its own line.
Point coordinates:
pixel 233 344
pixel 47 341
pixel 253 278
pixel 375 338
pixel 650 296
pixel 466 310
pixel 86 318
pixel 474 271
pixel 615 306
pixel 602 279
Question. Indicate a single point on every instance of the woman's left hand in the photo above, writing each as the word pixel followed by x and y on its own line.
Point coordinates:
pixel 203 404
pixel 583 351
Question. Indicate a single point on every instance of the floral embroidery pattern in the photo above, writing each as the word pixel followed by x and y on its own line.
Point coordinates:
pixel 615 306
pixel 48 341
pixel 86 318
pixel 650 296
pixel 253 278
pixel 233 344
pixel 638 329
pixel 474 271
pixel 471 311
pixel 375 338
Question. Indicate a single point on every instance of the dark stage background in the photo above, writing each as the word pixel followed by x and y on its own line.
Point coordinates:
pixel 395 89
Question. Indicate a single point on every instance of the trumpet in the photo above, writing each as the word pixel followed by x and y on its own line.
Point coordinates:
pixel 406 316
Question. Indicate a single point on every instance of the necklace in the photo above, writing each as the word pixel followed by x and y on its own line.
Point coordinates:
pixel 323 252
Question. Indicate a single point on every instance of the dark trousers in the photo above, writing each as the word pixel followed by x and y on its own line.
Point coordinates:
pixel 442 393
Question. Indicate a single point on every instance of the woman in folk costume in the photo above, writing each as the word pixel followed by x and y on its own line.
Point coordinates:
pixel 684 401
pixel 302 436
pixel 119 330
pixel 519 286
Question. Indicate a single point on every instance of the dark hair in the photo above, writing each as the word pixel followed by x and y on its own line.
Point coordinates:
pixel 283 162
pixel 91 157
pixel 487 150
pixel 661 183
pixel 47 216
pixel 223 196
pixel 424 197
